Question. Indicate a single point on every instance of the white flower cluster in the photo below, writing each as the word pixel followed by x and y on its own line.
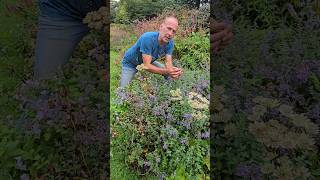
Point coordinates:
pixel 176 95
pixel 198 115
pixel 141 67
pixel 196 101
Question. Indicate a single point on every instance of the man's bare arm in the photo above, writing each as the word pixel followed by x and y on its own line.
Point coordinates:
pixel 168 61
pixel 152 68
pixel 170 66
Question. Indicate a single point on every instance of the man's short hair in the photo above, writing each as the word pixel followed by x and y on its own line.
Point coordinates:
pixel 169 16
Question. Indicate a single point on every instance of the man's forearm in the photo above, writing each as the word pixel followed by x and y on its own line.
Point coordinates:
pixel 155 69
pixel 169 64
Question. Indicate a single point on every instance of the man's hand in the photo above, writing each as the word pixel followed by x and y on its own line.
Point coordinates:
pixel 175 72
pixel 172 71
pixel 220 35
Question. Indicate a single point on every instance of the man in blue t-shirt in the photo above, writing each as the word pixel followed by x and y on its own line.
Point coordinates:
pixel 150 47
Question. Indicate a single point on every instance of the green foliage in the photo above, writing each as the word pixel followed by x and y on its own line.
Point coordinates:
pixel 263 14
pixel 315 83
pixel 192 51
pixel 27 154
pixel 119 169
pixel 176 4
pixel 114 7
pixel 123 14
pixel 127 11
pixel 181 174
pixel 130 10
pixel 232 142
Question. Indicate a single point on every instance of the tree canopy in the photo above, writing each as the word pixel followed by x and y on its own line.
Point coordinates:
pixel 126 11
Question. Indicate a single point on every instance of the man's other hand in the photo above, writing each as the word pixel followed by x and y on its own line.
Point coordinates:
pixel 220 35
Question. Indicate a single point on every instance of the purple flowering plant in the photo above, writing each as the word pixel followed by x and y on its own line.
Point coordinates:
pixel 163 131
pixel 58 127
pixel 266 116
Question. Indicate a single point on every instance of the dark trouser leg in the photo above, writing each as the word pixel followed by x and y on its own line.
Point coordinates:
pixel 56 41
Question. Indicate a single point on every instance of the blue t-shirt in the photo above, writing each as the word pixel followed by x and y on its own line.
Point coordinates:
pixel 147 44
pixel 69 9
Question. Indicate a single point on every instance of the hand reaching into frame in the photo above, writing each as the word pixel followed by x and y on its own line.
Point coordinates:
pixel 220 35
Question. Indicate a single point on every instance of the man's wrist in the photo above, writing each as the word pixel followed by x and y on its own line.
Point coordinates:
pixel 166 71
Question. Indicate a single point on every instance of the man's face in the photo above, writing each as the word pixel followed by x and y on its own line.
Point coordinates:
pixel 168 29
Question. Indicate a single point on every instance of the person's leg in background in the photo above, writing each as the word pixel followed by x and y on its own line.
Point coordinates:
pixel 56 41
pixel 127 75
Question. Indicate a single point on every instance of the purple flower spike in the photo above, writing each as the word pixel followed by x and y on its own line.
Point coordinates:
pixel 165 146
pixel 158 111
pixel 122 94
pixel 172 132
pixel 187 116
pixel 185 124
pixel 19 164
pixel 24 177
pixel 152 98
pixel 184 141
pixel 252 171
pixel 169 117
pixel 205 135
pixel 146 163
